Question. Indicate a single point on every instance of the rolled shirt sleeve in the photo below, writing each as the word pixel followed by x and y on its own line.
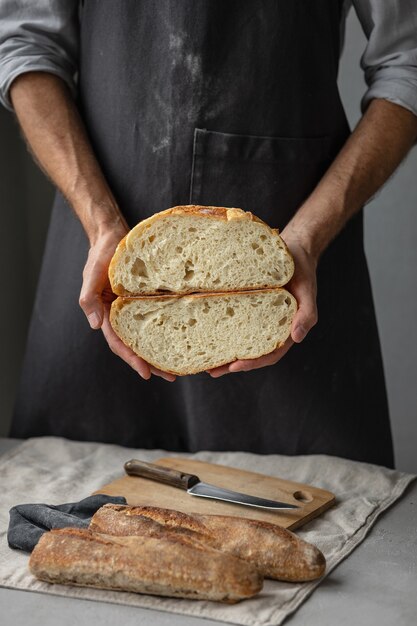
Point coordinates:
pixel 37 35
pixel 390 58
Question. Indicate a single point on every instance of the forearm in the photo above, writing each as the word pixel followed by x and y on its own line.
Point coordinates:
pixel 372 153
pixel 55 133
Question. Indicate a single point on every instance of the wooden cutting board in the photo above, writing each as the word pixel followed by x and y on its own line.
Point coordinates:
pixel 142 491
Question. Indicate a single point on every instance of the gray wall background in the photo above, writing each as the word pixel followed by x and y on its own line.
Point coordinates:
pixel 390 231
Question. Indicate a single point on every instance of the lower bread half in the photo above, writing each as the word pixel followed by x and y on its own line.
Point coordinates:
pixel 159 565
pixel 275 551
pixel 193 333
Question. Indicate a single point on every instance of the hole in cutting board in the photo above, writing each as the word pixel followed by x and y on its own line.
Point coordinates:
pixel 302 496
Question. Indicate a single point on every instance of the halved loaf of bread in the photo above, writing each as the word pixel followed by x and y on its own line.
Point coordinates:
pixel 193 248
pixel 193 333
pixel 163 565
pixel 276 552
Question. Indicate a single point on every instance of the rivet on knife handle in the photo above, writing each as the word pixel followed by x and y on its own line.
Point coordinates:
pixel 165 475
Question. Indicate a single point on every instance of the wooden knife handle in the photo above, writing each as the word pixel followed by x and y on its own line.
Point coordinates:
pixel 166 475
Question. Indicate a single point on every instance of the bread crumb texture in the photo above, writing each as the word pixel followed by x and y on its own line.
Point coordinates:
pixel 190 334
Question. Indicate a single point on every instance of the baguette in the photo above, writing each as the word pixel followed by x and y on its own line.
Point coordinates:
pixel 163 565
pixel 189 334
pixel 195 248
pixel 275 551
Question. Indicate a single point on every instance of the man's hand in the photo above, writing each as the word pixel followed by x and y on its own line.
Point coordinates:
pixel 378 144
pixel 303 286
pixel 57 137
pixel 96 297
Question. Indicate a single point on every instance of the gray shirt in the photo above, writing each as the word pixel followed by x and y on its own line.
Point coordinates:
pixel 43 35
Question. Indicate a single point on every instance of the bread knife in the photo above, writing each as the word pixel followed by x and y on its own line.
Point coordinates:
pixel 195 487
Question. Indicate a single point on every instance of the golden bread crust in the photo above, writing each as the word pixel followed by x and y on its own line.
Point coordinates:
pixel 164 564
pixel 275 551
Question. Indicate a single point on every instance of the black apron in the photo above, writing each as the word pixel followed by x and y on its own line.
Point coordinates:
pixel 224 103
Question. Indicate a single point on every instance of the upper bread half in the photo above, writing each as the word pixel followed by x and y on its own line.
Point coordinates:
pixel 194 248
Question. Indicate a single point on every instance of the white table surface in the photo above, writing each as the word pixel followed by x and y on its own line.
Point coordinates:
pixel 375 585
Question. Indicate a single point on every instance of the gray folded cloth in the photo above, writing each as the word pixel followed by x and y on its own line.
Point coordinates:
pixel 28 522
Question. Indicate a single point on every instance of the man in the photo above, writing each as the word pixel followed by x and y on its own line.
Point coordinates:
pixel 222 103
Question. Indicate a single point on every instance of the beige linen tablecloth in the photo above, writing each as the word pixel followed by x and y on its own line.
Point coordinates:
pixel 55 470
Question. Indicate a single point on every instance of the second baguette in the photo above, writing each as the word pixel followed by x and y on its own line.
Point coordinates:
pixel 276 552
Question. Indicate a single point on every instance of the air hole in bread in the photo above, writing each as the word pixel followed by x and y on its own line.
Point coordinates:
pixel 278 301
pixel 287 301
pixel 260 251
pixel 216 281
pixel 192 229
pixel 282 321
pixel 255 246
pixel 127 259
pixel 138 316
pixel 189 271
pixel 192 321
pixel 262 237
pixel 139 268
pixel 178 249
pixel 206 308
pixel 229 311
pixel 151 238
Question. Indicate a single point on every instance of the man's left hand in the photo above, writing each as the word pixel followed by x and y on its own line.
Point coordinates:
pixel 303 286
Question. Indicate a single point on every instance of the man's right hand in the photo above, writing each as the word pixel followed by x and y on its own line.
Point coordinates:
pixel 96 297
pixel 55 132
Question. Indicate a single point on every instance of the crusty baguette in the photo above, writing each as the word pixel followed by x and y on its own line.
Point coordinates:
pixel 159 565
pixel 195 248
pixel 276 552
pixel 194 333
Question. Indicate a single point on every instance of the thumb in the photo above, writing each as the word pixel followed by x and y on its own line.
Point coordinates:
pixel 90 298
pixel 306 316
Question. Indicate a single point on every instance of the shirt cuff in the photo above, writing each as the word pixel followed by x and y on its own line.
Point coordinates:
pixel 400 89
pixel 21 65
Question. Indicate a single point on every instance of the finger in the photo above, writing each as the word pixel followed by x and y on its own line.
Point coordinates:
pixel 118 347
pixel 216 372
pixel 90 296
pixel 306 316
pixel 245 365
pixel 165 375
